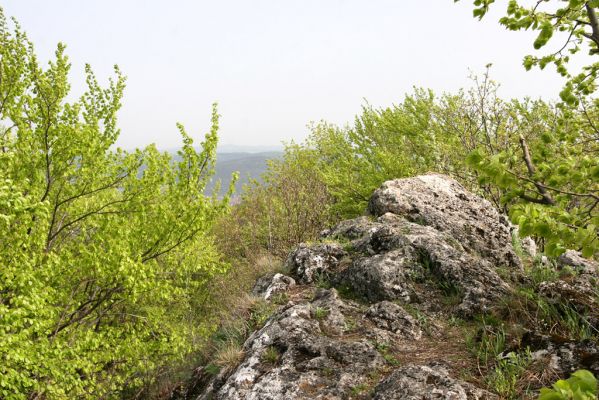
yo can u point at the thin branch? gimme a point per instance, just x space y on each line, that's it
590 195
81 217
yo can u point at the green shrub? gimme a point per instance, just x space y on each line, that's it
582 385
321 313
291 206
534 160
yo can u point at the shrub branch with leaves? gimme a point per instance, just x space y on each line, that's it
572 23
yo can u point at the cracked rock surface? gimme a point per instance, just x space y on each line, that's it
424 382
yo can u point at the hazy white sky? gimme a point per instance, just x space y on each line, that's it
274 65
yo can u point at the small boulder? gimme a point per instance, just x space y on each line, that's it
269 285
333 309
391 317
574 259
297 355
529 246
406 253
310 262
562 356
422 382
351 229
579 294
381 277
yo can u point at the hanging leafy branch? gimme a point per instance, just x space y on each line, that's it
572 24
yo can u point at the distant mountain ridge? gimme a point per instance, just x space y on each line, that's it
249 165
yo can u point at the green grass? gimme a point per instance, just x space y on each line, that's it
212 369
321 313
577 325
349 293
359 389
429 274
487 343
260 312
423 320
232 331
350 324
535 310
517 245
455 321
505 378
539 273
502 374
279 298
385 352
271 355
322 281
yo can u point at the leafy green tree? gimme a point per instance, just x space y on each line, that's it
424 133
553 172
382 144
550 176
476 119
534 160
103 252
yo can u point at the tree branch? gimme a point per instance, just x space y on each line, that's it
531 172
594 24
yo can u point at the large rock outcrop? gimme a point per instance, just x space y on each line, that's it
442 203
429 226
429 251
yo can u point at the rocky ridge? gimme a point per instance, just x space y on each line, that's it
378 308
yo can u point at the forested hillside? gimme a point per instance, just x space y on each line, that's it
125 275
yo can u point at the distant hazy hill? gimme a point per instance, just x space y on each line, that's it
249 165
249 161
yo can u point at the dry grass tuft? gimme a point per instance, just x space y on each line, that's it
229 355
